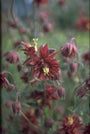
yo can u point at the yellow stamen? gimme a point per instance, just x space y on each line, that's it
46 71
35 43
70 120
88 26
39 101
32 111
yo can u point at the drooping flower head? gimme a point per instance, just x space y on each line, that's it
46 66
70 125
69 50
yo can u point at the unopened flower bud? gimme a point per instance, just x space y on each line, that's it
81 91
16 107
61 92
38 112
49 123
70 74
73 67
47 27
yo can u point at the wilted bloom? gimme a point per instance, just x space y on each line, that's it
69 50
16 107
73 67
70 125
46 65
87 129
26 127
47 27
61 2
49 123
61 92
86 57
88 82
40 2
8 103
83 23
81 91
12 56
3 80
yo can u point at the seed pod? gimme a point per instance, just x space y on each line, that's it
49 123
16 107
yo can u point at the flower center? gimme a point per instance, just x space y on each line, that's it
70 120
32 111
39 101
46 70
88 26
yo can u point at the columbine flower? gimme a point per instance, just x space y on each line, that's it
69 50
3 80
70 125
38 96
40 2
26 127
86 57
12 56
46 66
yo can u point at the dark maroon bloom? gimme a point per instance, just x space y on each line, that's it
41 2
87 129
70 125
3 80
83 23
39 97
86 57
69 50
16 107
26 127
81 91
47 27
38 112
88 82
12 56
46 65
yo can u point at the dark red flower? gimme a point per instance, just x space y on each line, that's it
46 65
87 129
81 91
42 97
86 57
69 50
40 2
83 23
70 125
26 127
12 56
3 80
